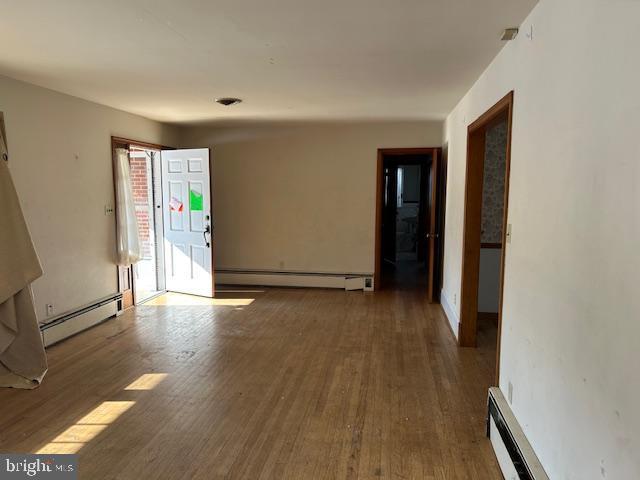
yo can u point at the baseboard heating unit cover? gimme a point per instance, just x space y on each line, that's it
75 321
515 455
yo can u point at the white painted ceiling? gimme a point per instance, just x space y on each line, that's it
288 59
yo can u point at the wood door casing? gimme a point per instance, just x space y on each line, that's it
476 140
125 286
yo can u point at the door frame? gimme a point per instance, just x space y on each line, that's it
397 152
127 287
476 132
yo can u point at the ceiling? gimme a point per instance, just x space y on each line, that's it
288 59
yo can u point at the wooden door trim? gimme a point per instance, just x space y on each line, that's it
118 141
467 330
382 152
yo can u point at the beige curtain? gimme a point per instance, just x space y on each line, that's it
128 242
23 362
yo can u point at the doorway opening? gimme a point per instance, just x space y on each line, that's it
148 273
486 232
170 191
407 223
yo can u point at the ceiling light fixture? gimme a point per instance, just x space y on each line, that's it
509 34
228 101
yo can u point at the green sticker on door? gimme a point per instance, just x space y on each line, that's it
195 201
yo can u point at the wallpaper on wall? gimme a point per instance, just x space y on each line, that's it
493 183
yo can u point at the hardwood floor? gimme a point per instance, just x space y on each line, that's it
264 384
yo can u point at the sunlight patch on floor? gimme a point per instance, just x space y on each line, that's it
148 381
87 428
179 299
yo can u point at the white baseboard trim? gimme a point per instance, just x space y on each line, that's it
292 279
452 316
77 324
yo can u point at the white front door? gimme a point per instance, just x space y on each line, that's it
186 208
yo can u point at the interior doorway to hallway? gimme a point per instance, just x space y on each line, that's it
486 231
408 222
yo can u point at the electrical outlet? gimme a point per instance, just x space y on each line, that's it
510 393
108 209
455 299
50 309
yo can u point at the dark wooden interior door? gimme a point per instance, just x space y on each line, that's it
442 203
432 226
389 213
423 212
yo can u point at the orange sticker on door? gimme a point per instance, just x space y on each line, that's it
175 205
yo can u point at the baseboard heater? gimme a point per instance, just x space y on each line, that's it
75 321
292 278
515 455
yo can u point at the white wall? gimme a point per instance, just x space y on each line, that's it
571 303
60 160
300 198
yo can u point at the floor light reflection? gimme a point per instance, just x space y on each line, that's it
87 428
179 299
148 381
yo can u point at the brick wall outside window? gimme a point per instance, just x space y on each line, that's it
142 194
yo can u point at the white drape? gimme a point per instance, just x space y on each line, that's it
128 241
